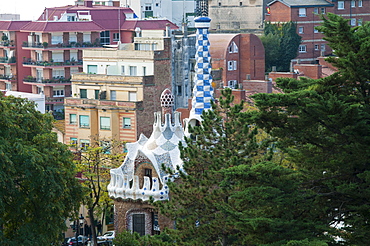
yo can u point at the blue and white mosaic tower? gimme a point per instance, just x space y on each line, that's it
202 90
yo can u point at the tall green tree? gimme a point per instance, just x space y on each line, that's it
230 193
281 43
95 162
38 189
324 127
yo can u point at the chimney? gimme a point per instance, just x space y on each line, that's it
88 3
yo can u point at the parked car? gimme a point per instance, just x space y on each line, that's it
109 235
82 240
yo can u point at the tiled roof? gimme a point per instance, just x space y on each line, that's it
12 25
106 16
303 3
219 42
147 25
56 26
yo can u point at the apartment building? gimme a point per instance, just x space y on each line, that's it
237 15
48 51
306 14
118 92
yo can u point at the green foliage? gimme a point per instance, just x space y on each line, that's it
324 127
95 162
38 188
126 238
281 43
230 193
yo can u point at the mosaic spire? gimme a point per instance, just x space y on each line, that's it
202 91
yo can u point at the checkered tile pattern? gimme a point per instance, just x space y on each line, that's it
202 91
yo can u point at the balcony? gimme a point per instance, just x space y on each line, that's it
50 82
52 63
7 77
7 60
7 44
66 46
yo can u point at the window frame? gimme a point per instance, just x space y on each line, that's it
116 36
71 122
341 5
359 4
113 95
353 4
104 126
138 223
124 121
83 93
301 50
73 141
300 12
82 119
300 30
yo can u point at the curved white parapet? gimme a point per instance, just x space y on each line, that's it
120 188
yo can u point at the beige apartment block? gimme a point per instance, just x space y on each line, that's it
237 15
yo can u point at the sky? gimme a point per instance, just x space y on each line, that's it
30 9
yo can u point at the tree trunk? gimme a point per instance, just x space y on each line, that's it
93 230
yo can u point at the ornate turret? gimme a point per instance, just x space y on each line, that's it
202 90
141 175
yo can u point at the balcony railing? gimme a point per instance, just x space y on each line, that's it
50 63
46 45
7 77
7 44
54 80
7 59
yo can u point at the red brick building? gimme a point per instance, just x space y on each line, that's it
306 14
240 56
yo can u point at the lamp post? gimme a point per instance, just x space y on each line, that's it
81 224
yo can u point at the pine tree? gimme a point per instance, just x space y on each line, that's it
324 127
230 193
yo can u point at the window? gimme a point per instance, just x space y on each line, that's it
353 4
113 95
231 65
353 22
300 29
83 93
8 86
315 30
360 3
105 123
116 36
105 37
132 96
126 123
322 10
233 48
148 172
144 71
122 70
316 10
359 22
138 223
84 121
84 143
302 12
232 84
316 47
323 47
58 93
148 7
73 141
97 94
240 3
179 90
340 4
133 70
219 4
92 69
72 119
302 49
